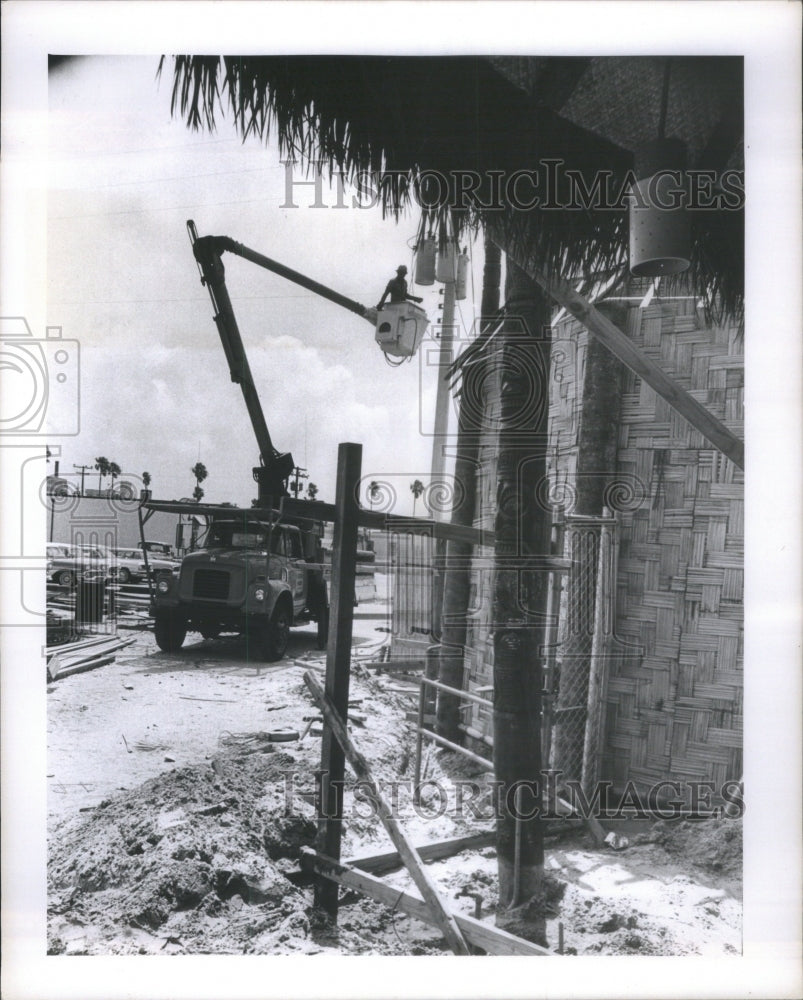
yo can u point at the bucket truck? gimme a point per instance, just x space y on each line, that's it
258 573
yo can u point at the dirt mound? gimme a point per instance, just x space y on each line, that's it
193 846
203 858
713 845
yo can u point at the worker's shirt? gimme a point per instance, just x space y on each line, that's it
397 290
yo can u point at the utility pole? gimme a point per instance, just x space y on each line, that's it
442 399
298 474
53 503
83 469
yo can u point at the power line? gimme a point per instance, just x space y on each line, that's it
183 177
193 207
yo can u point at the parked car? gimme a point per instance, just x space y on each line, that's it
161 550
129 565
69 564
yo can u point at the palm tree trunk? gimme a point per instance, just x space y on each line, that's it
522 528
457 571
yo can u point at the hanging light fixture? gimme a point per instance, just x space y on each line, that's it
660 229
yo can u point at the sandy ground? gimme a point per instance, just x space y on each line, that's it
173 825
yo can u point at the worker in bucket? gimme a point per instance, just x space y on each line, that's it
397 290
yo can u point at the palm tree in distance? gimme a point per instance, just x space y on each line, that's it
199 471
102 464
312 491
373 490
114 472
416 488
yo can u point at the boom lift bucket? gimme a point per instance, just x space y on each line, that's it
400 328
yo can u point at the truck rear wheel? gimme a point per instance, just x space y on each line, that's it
276 633
319 606
170 632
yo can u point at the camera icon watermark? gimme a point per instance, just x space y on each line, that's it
41 382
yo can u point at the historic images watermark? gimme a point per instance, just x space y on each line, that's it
39 404
548 186
41 386
546 797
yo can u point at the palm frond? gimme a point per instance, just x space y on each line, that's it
406 120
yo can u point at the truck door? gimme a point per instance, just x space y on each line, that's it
297 568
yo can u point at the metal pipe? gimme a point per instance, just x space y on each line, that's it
222 243
419 743
487 765
451 690
145 553
516 850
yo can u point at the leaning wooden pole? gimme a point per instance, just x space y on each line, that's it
630 354
338 663
441 915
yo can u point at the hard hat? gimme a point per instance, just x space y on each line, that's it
401 270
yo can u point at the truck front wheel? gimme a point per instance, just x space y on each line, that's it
276 634
170 632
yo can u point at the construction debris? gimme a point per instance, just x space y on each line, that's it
207 855
85 654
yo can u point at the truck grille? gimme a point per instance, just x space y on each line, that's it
211 584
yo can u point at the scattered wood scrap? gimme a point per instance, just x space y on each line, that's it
382 864
86 654
435 905
492 940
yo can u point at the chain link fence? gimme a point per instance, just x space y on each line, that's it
576 673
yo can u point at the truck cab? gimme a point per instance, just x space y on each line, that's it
248 577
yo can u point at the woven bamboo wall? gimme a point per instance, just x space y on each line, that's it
674 701
673 707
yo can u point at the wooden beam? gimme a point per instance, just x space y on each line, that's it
318 510
394 666
620 345
381 864
491 939
435 905
321 511
338 661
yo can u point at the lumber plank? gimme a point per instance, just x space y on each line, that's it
380 864
440 914
319 510
491 939
394 666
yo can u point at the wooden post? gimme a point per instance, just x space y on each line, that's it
522 528
338 662
440 914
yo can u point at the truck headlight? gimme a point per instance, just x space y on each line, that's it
163 586
259 594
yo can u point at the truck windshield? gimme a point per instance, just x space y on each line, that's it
230 535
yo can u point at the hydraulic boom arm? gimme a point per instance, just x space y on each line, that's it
276 467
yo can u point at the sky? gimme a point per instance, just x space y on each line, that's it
123 178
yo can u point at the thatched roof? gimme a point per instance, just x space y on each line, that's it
397 117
